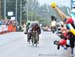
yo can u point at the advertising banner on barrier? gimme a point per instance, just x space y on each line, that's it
7 26
0 28
3 28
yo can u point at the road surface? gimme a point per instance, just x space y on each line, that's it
15 45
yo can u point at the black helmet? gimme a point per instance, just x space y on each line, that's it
53 18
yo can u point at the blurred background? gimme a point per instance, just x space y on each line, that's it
23 10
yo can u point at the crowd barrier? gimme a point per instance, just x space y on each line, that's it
7 26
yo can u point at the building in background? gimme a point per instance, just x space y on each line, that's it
12 8
72 4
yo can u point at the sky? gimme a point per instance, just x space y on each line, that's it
59 2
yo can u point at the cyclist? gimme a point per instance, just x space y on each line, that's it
34 26
27 26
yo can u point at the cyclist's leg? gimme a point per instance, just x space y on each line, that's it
38 38
29 36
